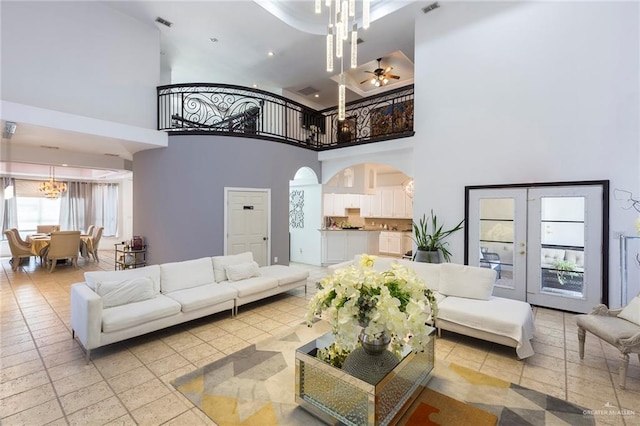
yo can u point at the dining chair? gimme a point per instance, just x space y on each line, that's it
18 250
90 230
64 245
47 229
95 240
19 238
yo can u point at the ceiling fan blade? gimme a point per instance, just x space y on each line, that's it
392 76
370 72
364 81
388 69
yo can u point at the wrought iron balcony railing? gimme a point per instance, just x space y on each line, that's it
223 109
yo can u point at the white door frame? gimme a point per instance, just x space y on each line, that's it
604 260
226 215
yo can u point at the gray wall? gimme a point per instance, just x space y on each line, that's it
179 192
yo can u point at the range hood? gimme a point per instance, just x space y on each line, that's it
359 179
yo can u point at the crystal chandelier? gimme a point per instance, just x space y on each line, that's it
52 188
342 29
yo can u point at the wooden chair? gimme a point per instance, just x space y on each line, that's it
64 245
606 325
18 250
95 240
47 229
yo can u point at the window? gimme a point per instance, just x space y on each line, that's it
34 211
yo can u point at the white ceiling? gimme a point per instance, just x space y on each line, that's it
245 31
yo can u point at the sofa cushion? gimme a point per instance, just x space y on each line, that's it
176 276
548 256
429 272
575 257
466 281
284 274
151 271
242 271
116 293
631 312
202 296
219 262
126 316
251 285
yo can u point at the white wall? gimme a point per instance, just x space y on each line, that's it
81 58
305 243
534 92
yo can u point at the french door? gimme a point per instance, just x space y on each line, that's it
545 242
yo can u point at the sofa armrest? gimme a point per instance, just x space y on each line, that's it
604 311
86 315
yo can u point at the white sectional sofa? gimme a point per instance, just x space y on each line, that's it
111 306
466 304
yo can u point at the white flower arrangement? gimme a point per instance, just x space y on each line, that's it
396 301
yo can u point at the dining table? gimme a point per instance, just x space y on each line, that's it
40 242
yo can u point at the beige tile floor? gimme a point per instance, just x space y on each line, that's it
44 379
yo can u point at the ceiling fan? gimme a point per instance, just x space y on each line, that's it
381 75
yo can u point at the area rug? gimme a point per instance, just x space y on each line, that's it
255 386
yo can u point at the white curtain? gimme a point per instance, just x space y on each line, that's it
87 204
8 208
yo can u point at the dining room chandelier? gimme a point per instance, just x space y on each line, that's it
343 29
52 188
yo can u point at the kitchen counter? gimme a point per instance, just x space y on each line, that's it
340 245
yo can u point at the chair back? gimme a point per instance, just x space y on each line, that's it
64 245
47 229
16 248
97 234
90 230
19 238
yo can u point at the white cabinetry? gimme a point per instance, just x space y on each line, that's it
334 205
351 201
390 243
390 202
340 246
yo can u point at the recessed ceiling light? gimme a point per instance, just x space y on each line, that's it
64 165
271 53
316 95
255 86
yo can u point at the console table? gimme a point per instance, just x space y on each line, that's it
334 395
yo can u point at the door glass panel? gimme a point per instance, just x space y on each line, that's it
497 238
562 242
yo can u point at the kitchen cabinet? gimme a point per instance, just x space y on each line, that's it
342 245
351 201
334 205
389 202
391 243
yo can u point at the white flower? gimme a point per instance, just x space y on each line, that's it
396 301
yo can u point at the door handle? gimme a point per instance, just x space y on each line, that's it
264 238
522 252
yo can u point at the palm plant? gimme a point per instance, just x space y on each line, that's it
431 238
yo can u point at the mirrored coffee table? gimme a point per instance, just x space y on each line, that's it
337 397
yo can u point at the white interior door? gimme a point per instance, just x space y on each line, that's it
565 247
497 237
247 223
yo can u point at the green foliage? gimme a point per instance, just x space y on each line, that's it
431 238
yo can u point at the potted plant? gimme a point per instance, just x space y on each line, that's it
431 247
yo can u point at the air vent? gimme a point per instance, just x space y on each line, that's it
49 147
308 91
164 22
111 155
429 8
359 40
